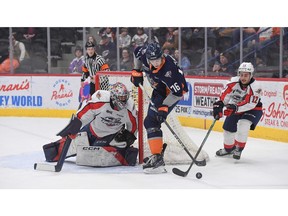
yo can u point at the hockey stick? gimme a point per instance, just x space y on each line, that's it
198 163
60 162
178 172
72 128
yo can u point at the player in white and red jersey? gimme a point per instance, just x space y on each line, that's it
109 124
241 97
107 112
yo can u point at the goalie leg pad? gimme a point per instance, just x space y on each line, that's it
105 156
97 156
81 139
53 150
131 156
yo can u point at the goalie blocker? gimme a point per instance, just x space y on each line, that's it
112 150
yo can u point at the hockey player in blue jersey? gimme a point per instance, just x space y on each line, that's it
242 99
169 85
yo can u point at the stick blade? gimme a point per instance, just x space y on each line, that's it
45 167
178 172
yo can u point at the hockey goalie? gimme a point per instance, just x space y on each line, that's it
102 131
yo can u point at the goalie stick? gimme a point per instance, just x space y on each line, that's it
179 172
198 163
72 128
60 162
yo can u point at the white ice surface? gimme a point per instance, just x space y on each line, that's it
263 165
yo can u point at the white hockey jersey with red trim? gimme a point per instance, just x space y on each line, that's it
246 98
103 119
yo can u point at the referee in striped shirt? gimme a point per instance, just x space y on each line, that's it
92 63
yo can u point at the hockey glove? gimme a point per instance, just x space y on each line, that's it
218 110
230 109
125 136
162 113
137 77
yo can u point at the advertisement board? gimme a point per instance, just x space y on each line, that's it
58 96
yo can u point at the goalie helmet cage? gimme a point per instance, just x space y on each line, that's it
174 153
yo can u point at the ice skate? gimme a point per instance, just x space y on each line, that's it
237 154
154 164
223 152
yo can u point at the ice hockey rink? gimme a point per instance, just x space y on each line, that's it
264 163
263 168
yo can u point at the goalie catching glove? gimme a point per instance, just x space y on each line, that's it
125 136
137 77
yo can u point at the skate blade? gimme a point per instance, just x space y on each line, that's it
224 156
153 170
236 157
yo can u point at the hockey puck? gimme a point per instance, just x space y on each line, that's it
198 175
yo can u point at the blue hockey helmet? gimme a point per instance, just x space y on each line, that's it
153 51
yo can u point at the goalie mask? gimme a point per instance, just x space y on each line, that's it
119 95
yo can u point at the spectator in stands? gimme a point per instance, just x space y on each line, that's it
224 37
19 54
107 50
126 63
29 36
124 39
171 37
166 51
110 32
19 50
92 39
249 36
223 66
140 38
185 62
5 66
277 75
268 46
77 63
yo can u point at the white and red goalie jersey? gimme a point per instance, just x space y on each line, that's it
103 119
245 97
